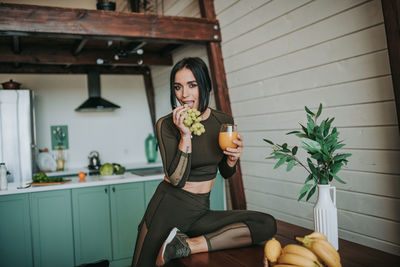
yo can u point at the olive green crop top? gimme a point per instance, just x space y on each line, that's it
206 157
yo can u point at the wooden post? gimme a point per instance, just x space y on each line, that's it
148 84
391 16
221 93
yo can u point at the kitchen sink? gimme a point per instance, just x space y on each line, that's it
148 172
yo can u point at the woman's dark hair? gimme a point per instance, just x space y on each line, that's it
200 72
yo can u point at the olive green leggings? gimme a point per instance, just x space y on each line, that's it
174 207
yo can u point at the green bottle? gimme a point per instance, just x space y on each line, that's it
151 148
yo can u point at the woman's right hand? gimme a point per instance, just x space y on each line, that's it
178 115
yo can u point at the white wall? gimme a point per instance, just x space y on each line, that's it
118 136
283 55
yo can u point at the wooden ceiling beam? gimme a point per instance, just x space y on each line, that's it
16 45
57 69
30 20
79 45
63 56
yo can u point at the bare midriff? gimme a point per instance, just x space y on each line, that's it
197 187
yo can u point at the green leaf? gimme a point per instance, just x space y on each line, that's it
312 191
310 125
303 191
312 167
293 132
285 150
335 167
339 146
309 111
290 165
304 128
341 156
309 178
319 111
302 135
317 156
337 178
280 162
268 141
284 145
310 145
294 150
279 155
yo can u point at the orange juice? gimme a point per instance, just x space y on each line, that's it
225 139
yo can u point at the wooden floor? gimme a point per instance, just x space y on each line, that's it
352 254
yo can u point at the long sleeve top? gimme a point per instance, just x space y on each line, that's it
206 157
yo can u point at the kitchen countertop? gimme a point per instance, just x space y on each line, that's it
130 166
92 180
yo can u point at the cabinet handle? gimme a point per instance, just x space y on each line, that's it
113 188
105 189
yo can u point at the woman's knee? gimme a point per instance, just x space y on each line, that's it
263 227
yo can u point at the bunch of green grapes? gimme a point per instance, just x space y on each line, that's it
192 121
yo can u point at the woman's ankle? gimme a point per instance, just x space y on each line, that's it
197 244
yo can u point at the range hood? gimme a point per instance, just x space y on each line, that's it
95 102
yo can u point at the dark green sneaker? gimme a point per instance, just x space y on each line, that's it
174 247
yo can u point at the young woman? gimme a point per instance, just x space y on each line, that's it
178 221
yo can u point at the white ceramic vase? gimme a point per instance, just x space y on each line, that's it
325 214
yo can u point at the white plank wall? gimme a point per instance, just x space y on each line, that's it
281 55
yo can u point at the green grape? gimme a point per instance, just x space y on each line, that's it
192 120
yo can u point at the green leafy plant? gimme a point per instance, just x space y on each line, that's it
320 142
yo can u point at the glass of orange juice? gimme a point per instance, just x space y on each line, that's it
227 134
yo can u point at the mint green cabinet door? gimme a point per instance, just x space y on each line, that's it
149 189
127 209
52 228
91 221
15 231
217 196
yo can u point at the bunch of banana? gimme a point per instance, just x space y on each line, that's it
320 246
298 256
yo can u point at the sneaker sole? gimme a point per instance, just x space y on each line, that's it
160 258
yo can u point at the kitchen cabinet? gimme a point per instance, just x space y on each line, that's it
127 209
91 221
105 222
71 227
52 233
15 231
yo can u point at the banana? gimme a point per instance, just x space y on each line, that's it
272 250
318 235
300 250
286 265
323 249
326 252
295 259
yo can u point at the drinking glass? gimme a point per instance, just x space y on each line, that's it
227 133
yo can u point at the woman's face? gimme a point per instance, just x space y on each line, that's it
186 88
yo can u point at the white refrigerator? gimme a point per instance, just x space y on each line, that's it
18 135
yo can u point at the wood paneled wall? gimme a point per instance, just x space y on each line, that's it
282 55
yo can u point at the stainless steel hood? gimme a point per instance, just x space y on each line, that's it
95 101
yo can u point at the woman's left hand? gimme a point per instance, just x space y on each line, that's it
234 153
